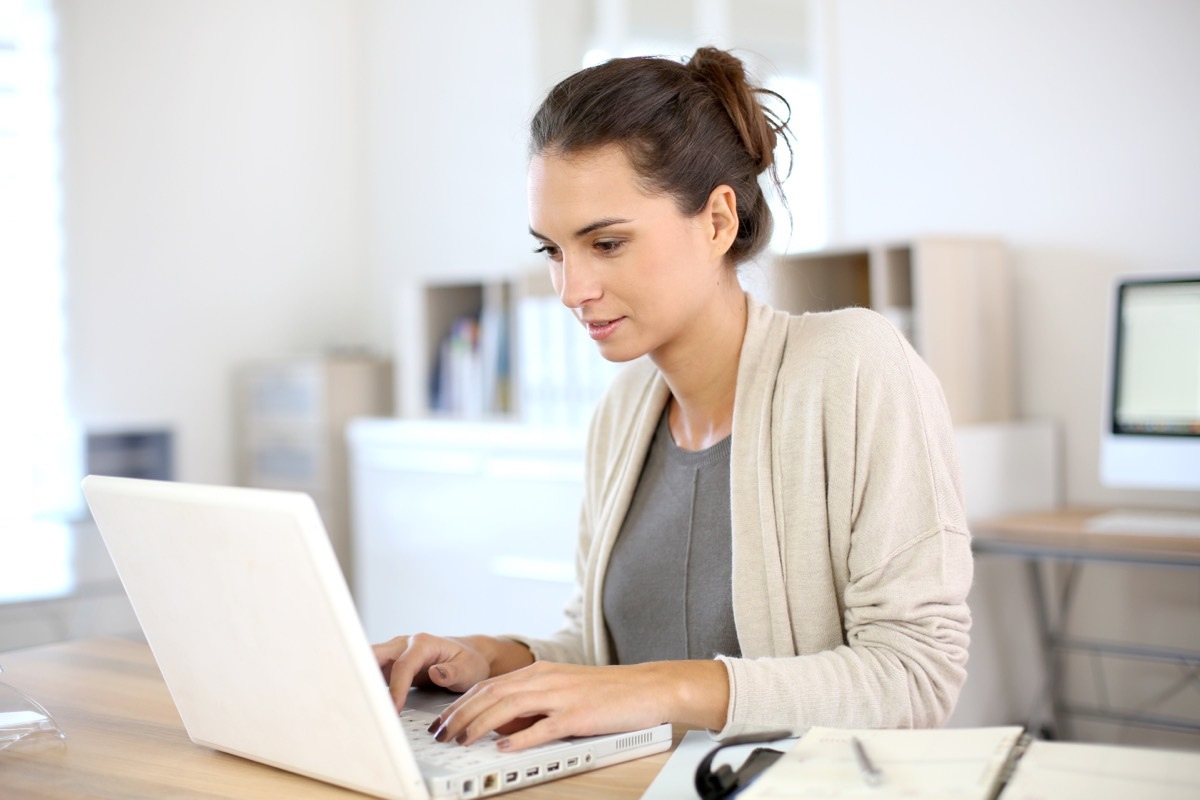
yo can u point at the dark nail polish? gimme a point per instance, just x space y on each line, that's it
462 738
442 734
437 723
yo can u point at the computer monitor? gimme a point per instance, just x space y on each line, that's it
1151 437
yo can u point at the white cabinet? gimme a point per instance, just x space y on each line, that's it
292 415
464 527
950 296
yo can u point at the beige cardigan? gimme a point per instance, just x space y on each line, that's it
851 555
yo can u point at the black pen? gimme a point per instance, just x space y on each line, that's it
871 774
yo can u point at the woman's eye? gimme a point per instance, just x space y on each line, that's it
609 247
549 251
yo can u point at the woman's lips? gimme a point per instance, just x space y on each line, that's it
602 330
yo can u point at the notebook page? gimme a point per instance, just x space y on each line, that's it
959 763
1104 772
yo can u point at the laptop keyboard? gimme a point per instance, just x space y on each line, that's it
452 755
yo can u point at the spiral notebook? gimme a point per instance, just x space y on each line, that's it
972 764
962 763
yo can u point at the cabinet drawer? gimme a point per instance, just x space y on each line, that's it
283 391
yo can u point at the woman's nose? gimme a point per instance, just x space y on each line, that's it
578 284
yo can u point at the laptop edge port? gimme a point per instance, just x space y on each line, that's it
491 782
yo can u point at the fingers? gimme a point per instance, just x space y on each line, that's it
458 673
528 707
399 671
422 659
506 707
408 661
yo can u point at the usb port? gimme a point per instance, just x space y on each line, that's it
511 777
553 766
533 772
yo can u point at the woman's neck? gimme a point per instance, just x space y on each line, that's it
702 375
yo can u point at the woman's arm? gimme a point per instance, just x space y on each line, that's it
902 660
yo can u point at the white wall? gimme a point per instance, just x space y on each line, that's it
450 89
1068 128
214 203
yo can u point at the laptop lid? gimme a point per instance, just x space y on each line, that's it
241 601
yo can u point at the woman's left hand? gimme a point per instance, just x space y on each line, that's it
546 701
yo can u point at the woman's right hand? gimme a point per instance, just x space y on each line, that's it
454 663
422 659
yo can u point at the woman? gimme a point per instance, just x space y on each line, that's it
772 533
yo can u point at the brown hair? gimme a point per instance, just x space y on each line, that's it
687 129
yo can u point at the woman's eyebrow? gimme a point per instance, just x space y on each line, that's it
586 229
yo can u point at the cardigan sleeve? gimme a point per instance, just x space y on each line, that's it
903 664
873 544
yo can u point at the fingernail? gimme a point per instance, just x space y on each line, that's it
462 738
441 672
442 734
437 723
503 744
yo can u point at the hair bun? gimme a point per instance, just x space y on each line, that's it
756 125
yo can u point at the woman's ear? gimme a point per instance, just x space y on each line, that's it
721 214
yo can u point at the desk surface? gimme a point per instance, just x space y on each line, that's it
1061 533
126 740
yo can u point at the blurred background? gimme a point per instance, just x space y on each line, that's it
195 186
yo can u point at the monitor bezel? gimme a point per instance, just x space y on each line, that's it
1116 359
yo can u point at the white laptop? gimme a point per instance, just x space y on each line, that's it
241 599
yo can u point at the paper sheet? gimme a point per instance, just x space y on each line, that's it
1104 772
958 763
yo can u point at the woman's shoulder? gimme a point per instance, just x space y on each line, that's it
852 336
845 326
857 322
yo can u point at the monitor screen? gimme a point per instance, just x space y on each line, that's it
1152 436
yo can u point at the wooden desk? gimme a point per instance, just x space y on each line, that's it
1062 536
126 740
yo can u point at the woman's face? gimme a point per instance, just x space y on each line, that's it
638 274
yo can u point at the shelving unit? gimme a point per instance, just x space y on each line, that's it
949 296
532 362
486 384
291 422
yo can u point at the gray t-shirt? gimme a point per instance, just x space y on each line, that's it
668 592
